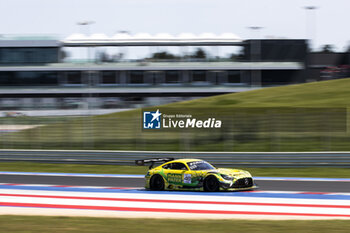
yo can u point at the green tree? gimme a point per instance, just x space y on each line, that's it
163 55
327 48
199 53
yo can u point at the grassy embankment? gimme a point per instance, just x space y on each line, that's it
81 224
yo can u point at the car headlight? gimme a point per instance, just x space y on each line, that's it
226 177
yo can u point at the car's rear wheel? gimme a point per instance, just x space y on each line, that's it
211 184
157 183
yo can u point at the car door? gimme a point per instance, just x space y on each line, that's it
178 174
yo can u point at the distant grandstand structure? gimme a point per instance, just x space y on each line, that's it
33 73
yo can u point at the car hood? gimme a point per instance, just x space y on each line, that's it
232 172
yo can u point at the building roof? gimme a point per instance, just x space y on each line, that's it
145 39
151 66
29 41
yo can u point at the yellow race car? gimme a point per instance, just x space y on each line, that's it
194 174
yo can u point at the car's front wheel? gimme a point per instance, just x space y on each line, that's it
156 183
211 184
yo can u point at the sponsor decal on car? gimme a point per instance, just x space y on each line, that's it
174 178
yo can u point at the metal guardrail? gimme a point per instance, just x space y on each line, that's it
225 159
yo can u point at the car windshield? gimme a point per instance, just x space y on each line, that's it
200 165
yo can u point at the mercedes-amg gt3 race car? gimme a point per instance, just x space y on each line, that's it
194 174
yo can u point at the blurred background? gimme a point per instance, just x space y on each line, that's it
69 71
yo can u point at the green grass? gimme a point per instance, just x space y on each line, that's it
246 128
112 169
334 93
84 224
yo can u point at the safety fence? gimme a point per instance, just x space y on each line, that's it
226 159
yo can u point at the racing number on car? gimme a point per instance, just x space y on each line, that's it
187 178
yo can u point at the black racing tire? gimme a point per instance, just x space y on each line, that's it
211 184
156 183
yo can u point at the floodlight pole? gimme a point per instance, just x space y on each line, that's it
255 47
310 25
124 49
86 23
88 143
255 55
257 29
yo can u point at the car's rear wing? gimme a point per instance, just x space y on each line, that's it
141 162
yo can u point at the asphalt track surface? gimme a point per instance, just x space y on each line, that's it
271 185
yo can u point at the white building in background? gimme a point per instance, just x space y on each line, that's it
34 75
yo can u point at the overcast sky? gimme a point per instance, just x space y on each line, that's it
286 19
